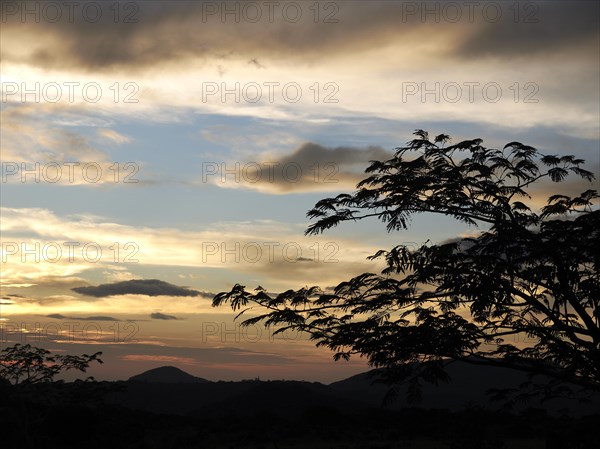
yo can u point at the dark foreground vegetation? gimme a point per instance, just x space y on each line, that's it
96 415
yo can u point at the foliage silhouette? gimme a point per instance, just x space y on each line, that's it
32 394
526 272
25 364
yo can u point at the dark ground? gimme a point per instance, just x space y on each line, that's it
263 415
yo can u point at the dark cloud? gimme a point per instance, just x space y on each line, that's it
312 152
171 31
256 63
58 316
162 316
148 287
542 27
313 167
205 294
220 355
174 30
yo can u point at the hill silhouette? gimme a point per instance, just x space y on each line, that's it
169 390
468 387
173 414
167 374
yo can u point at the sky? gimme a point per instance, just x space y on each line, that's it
156 153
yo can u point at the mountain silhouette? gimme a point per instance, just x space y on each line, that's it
469 386
172 391
167 374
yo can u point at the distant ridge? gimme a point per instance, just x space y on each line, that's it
468 387
169 390
168 375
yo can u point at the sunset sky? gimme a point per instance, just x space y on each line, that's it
187 140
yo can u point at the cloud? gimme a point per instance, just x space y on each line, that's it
30 134
159 358
59 316
114 136
162 316
209 356
148 287
542 28
41 144
205 294
255 136
117 274
311 167
264 248
168 32
172 46
256 63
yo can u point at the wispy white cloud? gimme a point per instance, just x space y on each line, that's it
114 136
39 246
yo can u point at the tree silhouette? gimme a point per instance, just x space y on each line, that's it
25 364
31 394
527 272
